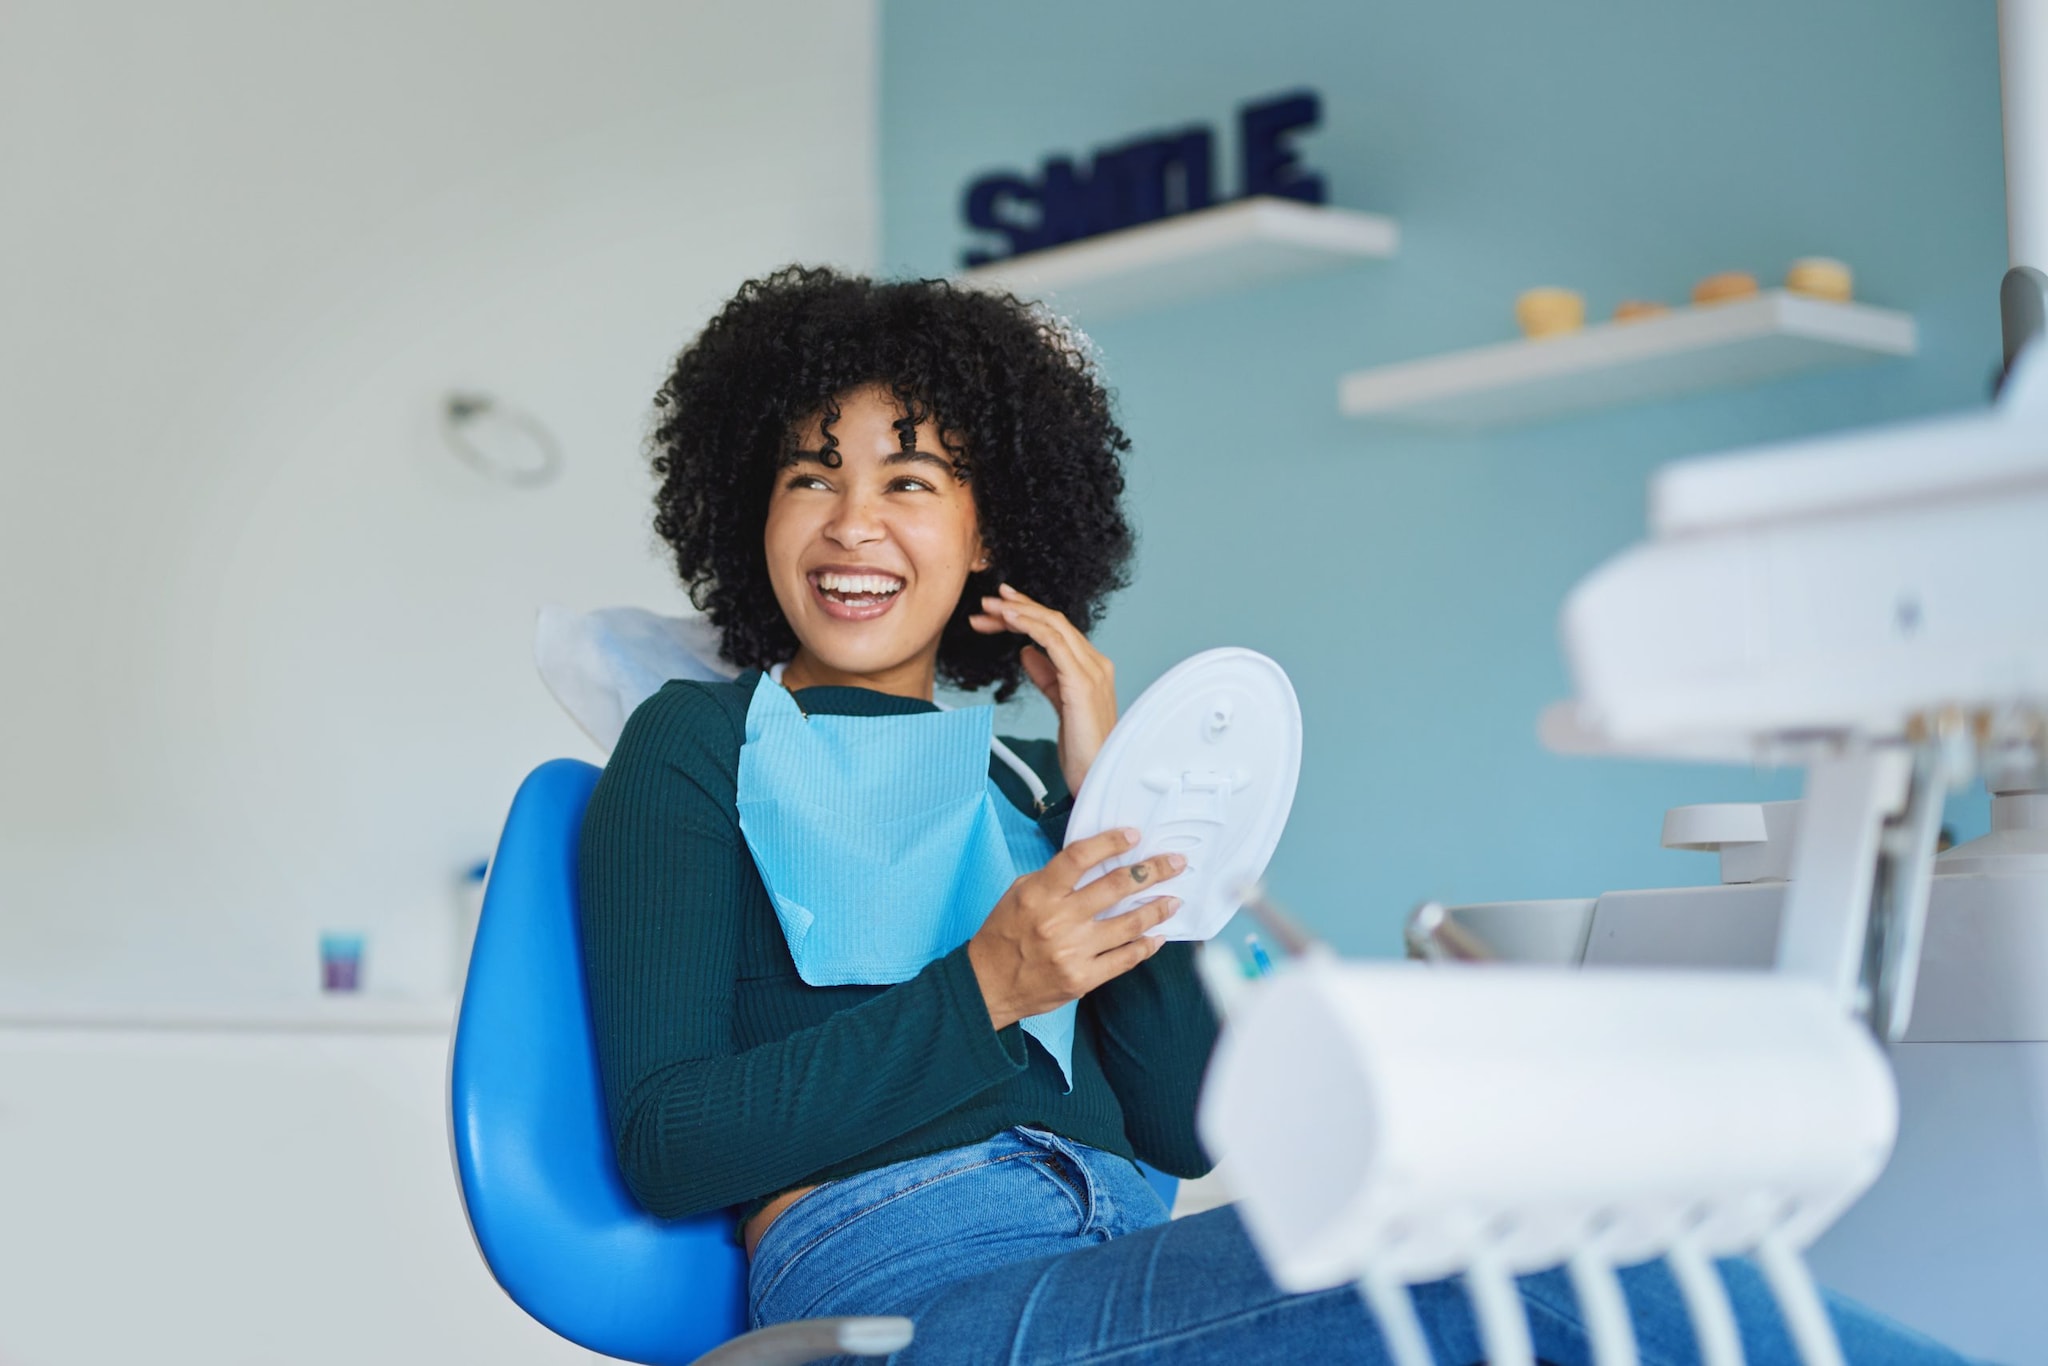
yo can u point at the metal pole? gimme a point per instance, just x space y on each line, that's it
2023 82
2023 79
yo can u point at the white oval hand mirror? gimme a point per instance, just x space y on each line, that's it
1203 765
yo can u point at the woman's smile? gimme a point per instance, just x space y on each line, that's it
852 593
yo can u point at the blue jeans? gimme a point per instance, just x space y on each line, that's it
1030 1249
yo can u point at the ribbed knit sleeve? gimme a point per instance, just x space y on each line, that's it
665 877
1156 1030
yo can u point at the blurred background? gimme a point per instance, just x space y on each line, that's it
268 640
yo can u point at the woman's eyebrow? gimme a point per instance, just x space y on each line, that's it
906 457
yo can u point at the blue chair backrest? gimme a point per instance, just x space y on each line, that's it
533 1148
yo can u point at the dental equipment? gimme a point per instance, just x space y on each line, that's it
1392 1123
1866 606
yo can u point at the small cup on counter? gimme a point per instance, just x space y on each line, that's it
341 962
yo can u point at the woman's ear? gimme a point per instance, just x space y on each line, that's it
980 563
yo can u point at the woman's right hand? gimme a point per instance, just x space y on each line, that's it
1042 946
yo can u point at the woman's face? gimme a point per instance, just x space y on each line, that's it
869 557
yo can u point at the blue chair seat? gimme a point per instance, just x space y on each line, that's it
531 1140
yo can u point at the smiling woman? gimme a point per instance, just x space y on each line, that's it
856 478
989 404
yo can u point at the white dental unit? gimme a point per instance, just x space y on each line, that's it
1872 608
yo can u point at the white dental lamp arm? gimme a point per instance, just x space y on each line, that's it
1865 605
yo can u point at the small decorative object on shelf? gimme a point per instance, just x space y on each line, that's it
1548 311
1821 277
1726 287
1635 310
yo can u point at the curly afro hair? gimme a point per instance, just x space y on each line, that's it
1015 398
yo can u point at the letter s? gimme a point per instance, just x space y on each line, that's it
985 208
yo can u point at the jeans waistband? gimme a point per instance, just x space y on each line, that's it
1024 1186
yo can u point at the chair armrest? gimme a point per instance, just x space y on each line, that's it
806 1340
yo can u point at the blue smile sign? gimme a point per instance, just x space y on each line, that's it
1140 180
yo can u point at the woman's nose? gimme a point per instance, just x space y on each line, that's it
855 522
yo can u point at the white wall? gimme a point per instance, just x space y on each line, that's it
266 642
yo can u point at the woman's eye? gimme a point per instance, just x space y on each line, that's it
804 481
910 485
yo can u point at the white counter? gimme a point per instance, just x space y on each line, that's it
240 1187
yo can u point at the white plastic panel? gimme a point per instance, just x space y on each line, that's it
1656 1106
1850 622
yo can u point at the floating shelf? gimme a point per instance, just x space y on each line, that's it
1722 346
1232 246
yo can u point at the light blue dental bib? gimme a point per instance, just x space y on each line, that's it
883 842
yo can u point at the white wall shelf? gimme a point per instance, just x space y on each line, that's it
1232 246
1723 346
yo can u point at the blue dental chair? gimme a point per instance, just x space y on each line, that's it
533 1150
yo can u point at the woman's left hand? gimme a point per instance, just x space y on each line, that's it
1075 677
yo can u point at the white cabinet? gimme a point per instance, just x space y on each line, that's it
239 1197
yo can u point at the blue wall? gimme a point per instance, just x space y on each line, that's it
1410 583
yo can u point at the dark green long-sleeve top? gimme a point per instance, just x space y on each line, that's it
729 1079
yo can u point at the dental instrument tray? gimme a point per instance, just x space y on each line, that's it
1202 765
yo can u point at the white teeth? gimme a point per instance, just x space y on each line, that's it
876 584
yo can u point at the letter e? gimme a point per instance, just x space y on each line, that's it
1269 162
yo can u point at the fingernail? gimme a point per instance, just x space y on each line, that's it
1176 861
1005 588
1172 904
1130 835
